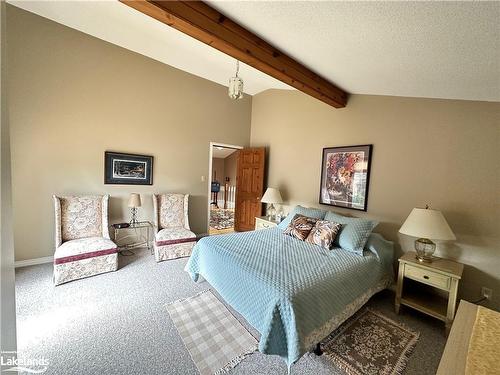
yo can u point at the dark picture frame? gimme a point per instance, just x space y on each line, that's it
345 176
127 169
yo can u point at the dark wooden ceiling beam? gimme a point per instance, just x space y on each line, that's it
204 23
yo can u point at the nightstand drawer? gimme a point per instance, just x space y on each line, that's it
263 224
428 277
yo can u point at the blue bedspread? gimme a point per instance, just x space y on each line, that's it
289 290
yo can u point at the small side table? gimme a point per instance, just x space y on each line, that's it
441 274
263 222
134 236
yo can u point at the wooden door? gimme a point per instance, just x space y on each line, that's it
249 186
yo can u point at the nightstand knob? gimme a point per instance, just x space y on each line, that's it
426 277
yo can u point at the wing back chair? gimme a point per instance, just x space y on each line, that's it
173 237
83 246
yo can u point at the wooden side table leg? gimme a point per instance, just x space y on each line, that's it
399 288
452 302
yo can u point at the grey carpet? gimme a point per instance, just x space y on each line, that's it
117 323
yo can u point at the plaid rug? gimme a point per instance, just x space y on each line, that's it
214 338
369 343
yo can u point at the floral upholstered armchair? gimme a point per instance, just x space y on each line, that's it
83 246
173 238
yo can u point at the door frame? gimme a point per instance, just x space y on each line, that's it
209 179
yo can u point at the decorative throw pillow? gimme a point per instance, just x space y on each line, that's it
323 233
300 226
309 212
354 233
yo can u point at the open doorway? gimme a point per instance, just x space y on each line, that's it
222 187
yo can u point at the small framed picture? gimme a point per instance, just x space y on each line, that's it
128 169
345 175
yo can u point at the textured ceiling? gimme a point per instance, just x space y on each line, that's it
418 49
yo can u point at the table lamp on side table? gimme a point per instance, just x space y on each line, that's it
427 225
271 196
134 202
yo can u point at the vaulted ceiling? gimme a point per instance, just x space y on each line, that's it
428 49
445 49
119 24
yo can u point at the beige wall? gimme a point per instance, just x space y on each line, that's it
230 163
73 96
441 152
218 170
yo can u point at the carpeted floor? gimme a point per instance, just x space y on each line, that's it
117 323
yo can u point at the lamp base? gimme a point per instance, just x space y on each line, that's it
424 248
271 212
134 220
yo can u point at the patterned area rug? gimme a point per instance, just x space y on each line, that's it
221 218
370 344
214 338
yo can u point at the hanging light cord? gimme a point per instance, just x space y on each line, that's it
237 67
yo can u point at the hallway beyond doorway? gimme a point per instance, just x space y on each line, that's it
222 198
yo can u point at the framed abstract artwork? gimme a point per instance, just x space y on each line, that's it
345 175
128 169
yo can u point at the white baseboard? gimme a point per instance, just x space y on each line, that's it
32 262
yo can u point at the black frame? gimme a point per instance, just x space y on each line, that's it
108 168
369 149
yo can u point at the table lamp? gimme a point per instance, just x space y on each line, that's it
271 196
427 225
134 202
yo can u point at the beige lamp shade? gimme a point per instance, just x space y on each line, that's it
134 200
427 223
272 195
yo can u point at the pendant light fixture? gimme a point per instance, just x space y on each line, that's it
235 89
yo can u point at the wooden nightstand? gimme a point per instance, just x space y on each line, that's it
441 274
262 222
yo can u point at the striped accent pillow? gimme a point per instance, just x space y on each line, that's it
323 233
300 227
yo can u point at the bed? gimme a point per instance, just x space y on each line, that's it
292 292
